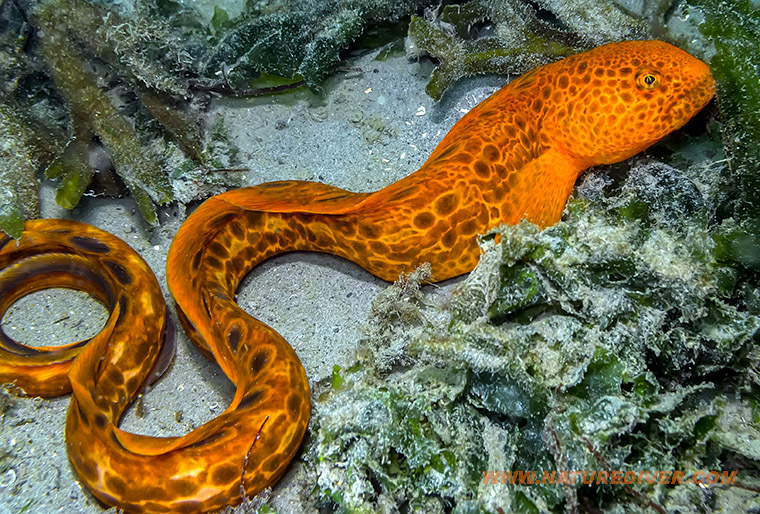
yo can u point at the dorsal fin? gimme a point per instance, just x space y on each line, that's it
294 196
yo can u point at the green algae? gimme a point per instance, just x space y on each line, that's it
734 29
184 130
25 144
75 174
163 65
267 40
522 294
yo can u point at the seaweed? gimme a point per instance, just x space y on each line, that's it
125 87
301 38
614 340
512 37
18 182
93 114
24 144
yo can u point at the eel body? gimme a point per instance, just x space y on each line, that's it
514 156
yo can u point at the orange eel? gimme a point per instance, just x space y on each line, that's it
514 157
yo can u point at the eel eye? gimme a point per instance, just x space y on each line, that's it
647 80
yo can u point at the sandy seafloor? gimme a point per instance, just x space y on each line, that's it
319 303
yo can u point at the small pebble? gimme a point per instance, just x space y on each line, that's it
318 113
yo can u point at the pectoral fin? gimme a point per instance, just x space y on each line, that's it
539 190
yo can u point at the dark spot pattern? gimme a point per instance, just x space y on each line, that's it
233 338
196 262
424 220
224 474
209 439
259 360
120 272
89 244
101 421
250 399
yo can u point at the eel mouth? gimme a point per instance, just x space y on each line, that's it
685 106
707 86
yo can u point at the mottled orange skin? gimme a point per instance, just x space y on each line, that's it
515 156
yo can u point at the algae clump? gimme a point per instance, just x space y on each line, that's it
612 341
